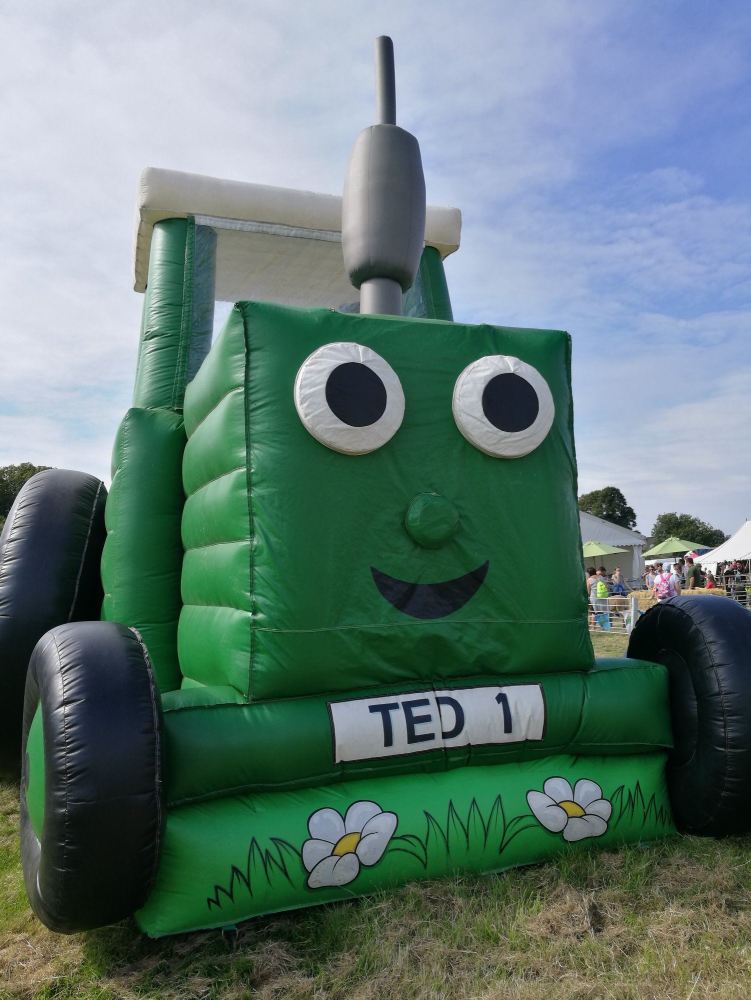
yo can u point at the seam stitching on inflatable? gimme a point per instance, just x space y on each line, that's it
251 525
203 486
420 624
84 550
185 312
157 757
66 838
15 510
582 700
211 545
214 604
214 408
723 789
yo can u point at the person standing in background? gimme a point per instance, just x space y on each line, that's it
692 574
590 584
666 585
618 584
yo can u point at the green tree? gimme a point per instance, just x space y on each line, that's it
687 527
12 478
610 504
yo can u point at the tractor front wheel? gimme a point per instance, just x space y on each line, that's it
705 643
92 814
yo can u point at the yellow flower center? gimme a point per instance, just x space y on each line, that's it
348 843
570 808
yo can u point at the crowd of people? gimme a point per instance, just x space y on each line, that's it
686 574
662 581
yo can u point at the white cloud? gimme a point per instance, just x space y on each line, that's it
561 130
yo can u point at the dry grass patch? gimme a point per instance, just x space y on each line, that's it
670 920
609 644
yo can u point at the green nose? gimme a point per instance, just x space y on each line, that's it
431 520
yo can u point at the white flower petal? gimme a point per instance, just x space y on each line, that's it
586 791
375 837
601 808
358 815
581 827
546 811
334 871
384 823
314 851
326 824
558 789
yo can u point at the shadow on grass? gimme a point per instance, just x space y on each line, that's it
454 937
339 947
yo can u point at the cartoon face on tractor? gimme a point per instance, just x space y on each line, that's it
336 637
400 489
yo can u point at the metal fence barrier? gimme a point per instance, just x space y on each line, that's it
618 615
737 586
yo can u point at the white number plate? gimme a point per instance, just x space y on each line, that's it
400 724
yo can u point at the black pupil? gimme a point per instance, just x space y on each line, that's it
510 403
356 394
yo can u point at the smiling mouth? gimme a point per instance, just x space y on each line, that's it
430 600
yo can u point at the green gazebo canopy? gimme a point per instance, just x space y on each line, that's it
593 549
673 547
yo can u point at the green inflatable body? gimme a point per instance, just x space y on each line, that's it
344 636
331 734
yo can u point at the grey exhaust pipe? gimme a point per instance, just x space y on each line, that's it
383 207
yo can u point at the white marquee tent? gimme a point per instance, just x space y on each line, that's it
738 546
631 562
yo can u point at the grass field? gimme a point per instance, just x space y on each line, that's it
671 920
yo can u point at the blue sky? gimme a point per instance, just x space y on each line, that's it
599 152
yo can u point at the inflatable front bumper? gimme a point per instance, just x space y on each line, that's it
222 810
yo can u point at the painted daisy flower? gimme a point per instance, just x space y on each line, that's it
577 814
339 846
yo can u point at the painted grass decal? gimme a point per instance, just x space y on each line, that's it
267 865
340 845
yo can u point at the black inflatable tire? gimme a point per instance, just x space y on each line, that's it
50 550
705 642
98 853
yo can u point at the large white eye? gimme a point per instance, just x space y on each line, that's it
349 398
503 406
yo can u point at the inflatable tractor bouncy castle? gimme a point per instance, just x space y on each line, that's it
287 661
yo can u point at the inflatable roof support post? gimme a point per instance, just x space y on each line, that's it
383 206
142 558
428 298
178 312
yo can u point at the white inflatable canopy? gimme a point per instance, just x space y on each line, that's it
738 546
274 244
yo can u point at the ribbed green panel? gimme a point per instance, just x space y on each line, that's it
217 447
142 557
428 298
234 858
178 312
218 574
213 745
215 625
214 645
228 494
222 371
